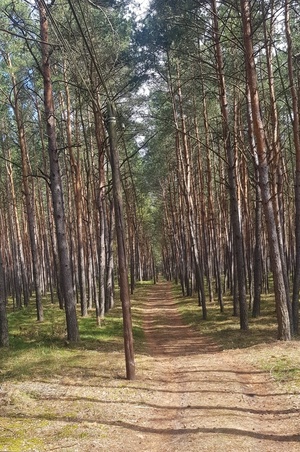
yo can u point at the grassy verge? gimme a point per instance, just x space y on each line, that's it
40 349
224 328
260 344
47 384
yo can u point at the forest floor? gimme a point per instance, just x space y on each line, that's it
188 396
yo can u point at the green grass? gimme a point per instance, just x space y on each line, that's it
284 367
262 349
39 353
16 435
223 327
40 348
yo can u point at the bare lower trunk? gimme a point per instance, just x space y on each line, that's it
4 339
120 230
257 275
102 255
296 133
109 296
281 298
56 186
77 188
29 201
238 247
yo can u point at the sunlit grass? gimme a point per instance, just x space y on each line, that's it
40 349
284 369
262 349
224 328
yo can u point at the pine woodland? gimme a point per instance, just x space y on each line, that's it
137 144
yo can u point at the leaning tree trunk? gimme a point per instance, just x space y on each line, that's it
56 184
281 300
120 231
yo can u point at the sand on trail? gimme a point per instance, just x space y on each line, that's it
206 399
189 396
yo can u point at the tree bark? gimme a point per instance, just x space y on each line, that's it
4 338
109 293
77 188
29 201
120 230
284 327
296 133
257 254
56 184
231 162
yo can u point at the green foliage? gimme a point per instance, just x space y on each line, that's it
169 25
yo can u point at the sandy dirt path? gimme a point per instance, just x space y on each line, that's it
188 397
206 399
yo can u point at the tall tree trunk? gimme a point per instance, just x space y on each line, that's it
120 230
29 201
13 230
284 327
276 157
56 184
101 203
257 255
296 133
50 223
77 188
231 162
210 209
4 339
109 295
184 176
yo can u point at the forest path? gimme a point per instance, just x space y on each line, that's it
204 399
188 396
